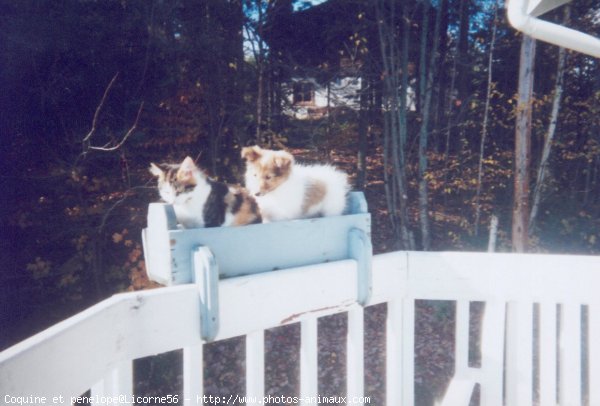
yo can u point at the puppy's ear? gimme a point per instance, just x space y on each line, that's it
252 153
156 171
283 160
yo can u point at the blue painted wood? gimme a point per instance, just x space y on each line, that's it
361 249
250 249
206 277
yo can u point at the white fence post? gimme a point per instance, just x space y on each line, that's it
309 358
394 352
570 354
408 352
594 353
519 348
547 353
355 354
193 376
117 383
255 366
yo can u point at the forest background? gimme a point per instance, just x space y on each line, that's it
93 91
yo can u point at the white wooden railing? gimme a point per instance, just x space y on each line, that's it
553 298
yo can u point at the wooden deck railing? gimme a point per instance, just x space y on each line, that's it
539 308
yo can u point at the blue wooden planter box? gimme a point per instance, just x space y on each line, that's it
253 248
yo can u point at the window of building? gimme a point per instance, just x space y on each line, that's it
304 93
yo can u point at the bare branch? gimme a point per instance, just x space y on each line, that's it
99 108
133 127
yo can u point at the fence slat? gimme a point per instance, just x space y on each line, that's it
492 353
461 349
547 356
355 353
393 344
519 354
309 358
594 353
570 354
193 376
255 366
490 373
461 386
408 352
118 382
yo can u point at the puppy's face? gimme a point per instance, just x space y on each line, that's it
266 170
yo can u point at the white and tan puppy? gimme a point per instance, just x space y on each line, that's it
286 190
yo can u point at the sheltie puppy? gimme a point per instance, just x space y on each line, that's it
286 190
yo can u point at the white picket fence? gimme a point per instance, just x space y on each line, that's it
553 298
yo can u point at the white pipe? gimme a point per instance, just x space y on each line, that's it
550 32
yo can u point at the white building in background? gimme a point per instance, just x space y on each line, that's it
306 98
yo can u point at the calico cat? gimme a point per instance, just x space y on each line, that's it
199 201
286 190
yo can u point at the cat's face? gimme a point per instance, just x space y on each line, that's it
266 170
176 182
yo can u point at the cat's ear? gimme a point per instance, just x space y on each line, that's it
188 164
156 171
283 160
251 154
186 169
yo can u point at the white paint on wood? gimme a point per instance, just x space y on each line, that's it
519 349
570 354
459 391
193 377
492 353
134 325
117 382
490 374
408 353
509 277
309 357
255 366
547 353
155 238
355 353
461 348
287 296
594 353
394 355
69 357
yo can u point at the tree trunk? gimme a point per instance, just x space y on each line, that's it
523 146
260 74
363 127
463 51
395 96
558 91
485 124
426 85
493 234
451 99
